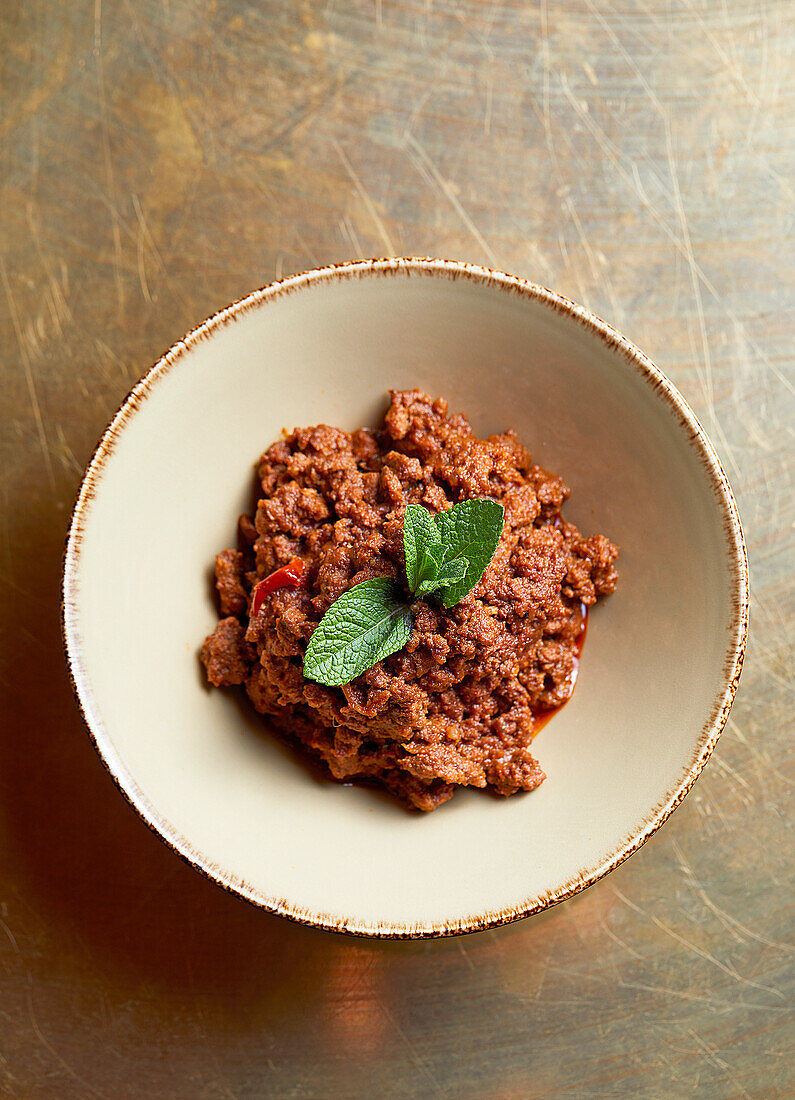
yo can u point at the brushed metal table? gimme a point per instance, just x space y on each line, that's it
162 157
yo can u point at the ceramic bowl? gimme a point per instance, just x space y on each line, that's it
162 495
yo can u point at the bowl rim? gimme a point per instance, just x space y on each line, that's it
451 269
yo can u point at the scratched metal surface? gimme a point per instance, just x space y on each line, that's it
160 158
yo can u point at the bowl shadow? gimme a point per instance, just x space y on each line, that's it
96 873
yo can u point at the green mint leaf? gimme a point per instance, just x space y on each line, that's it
452 571
470 532
448 574
419 533
366 624
431 560
445 554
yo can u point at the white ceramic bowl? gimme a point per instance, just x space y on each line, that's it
162 495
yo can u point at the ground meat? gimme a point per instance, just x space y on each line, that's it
225 654
459 705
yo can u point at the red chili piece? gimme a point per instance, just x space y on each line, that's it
291 575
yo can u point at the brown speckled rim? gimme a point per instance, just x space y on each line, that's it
696 437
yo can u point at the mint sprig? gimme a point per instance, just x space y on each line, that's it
446 555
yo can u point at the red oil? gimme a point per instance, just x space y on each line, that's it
541 717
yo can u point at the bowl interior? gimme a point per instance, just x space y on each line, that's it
164 495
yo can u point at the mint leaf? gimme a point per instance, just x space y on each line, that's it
430 562
470 532
448 574
446 554
366 624
420 533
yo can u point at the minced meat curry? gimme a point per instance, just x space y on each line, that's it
458 705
